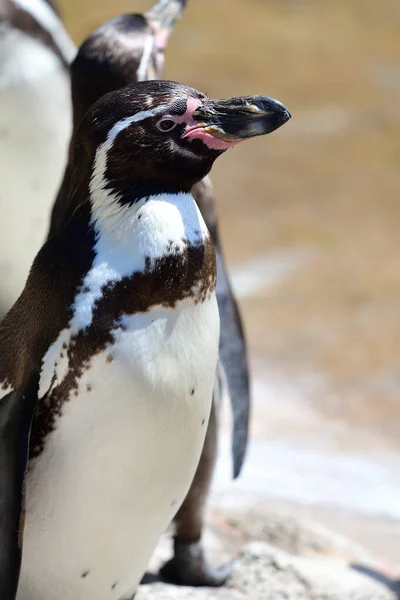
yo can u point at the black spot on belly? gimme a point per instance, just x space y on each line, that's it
114 585
192 392
89 387
203 421
85 574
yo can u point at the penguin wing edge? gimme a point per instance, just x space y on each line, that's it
16 412
233 356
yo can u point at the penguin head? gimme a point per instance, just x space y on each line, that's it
122 51
159 137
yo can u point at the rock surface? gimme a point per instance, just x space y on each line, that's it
264 572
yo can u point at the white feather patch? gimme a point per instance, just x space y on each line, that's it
5 388
141 73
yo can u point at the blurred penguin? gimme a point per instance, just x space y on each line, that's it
35 127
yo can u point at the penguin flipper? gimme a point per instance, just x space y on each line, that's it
233 357
16 411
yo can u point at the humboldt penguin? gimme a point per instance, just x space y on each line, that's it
35 128
126 49
108 357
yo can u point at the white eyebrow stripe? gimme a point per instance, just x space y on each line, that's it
47 18
141 73
100 162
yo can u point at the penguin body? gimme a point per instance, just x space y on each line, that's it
108 358
35 126
133 379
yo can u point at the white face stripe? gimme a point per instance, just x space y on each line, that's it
141 73
100 162
5 390
47 18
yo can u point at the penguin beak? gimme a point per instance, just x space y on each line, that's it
163 17
224 123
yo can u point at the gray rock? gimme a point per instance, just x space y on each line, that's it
263 572
299 536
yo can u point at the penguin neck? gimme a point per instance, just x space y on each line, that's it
133 237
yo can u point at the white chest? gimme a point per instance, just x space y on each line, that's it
35 127
121 458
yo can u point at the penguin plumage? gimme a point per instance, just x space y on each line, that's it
108 358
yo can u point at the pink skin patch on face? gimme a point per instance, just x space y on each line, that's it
187 117
196 130
214 143
162 37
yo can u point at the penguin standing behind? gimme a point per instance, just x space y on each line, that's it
126 49
35 127
108 358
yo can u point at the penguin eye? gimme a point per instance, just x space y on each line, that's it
166 124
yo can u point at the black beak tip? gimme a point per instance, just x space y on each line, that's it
281 111
279 117
282 114
285 116
276 113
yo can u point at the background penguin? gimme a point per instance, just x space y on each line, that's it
95 387
35 127
118 53
124 50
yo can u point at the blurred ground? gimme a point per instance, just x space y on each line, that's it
310 219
